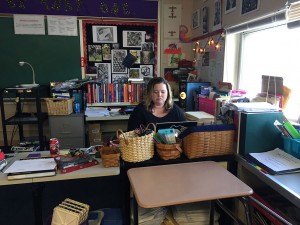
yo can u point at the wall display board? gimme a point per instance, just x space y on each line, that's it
116 51
54 58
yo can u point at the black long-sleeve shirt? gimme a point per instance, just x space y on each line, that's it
141 116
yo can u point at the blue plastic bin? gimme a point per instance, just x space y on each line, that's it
291 146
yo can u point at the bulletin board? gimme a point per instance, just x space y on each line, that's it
115 51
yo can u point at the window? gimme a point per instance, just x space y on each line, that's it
273 51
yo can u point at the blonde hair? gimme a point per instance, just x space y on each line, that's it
149 91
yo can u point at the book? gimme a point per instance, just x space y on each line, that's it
30 168
275 161
33 174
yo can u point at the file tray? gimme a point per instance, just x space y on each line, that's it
291 146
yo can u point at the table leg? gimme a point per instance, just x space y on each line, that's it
135 212
245 202
212 213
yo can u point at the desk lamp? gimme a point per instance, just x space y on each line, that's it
33 76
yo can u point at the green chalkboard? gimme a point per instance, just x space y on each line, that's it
54 58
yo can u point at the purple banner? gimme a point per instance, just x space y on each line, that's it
97 8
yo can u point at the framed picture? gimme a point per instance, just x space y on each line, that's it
230 6
248 6
217 15
137 54
134 74
196 19
147 57
119 78
133 39
205 20
103 72
117 57
105 34
95 53
147 46
146 71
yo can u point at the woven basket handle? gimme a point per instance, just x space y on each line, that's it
122 133
179 148
152 125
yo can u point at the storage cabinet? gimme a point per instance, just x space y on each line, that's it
20 118
69 129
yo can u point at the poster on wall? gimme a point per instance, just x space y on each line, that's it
117 57
95 53
205 20
133 39
105 34
217 15
103 72
29 24
248 6
146 71
230 6
196 19
62 25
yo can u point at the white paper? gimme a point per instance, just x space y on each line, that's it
277 160
62 25
29 24
31 165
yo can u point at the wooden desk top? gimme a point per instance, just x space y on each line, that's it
94 171
175 184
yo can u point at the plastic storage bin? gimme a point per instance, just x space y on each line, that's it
291 146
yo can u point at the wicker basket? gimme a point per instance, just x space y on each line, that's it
209 140
110 156
136 148
169 151
59 106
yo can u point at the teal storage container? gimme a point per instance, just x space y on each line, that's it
291 146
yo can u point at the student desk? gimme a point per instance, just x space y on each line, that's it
90 185
174 184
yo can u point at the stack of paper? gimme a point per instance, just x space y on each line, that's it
152 216
96 111
193 213
200 117
253 107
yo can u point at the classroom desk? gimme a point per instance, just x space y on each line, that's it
174 184
79 177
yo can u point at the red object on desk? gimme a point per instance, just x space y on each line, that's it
79 167
1 155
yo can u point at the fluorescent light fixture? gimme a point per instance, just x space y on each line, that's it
33 76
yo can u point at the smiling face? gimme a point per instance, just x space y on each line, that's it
160 94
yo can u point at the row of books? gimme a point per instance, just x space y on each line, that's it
115 92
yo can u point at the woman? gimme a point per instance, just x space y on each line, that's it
157 107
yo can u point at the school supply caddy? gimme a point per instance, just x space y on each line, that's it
137 145
168 146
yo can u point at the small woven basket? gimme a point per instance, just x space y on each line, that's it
209 143
59 106
110 156
135 148
169 151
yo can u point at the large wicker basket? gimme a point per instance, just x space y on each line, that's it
169 151
211 140
135 148
59 106
110 156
